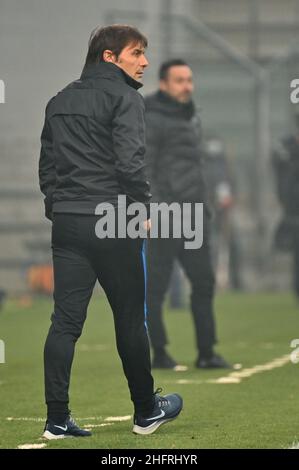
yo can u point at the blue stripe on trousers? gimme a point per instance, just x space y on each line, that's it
144 271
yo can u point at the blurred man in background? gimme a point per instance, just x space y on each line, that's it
286 166
221 198
174 160
2 298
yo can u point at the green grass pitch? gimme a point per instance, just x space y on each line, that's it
261 411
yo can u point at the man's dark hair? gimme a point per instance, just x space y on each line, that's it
165 66
115 38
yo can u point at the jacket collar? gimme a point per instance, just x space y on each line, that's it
109 70
171 105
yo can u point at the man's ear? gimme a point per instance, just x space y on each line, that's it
108 56
162 85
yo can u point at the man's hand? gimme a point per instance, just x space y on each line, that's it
147 225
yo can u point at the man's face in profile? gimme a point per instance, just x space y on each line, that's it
178 83
132 60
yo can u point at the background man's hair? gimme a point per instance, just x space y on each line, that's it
165 66
115 38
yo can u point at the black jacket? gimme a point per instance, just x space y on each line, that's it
286 166
93 143
174 156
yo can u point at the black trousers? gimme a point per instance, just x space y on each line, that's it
79 259
197 264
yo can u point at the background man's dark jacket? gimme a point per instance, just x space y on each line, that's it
93 142
173 141
286 165
285 160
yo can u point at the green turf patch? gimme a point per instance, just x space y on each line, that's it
259 412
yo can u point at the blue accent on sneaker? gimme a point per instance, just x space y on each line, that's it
67 429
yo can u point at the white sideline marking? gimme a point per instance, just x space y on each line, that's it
295 445
180 368
11 418
237 376
275 363
90 418
226 380
32 446
118 418
187 382
97 425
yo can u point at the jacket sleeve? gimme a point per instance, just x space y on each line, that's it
128 134
47 173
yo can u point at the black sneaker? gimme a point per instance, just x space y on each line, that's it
163 361
166 409
214 362
68 429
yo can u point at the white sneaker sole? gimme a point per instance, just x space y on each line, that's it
152 427
48 435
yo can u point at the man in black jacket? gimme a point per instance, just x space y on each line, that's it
93 151
286 166
175 167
